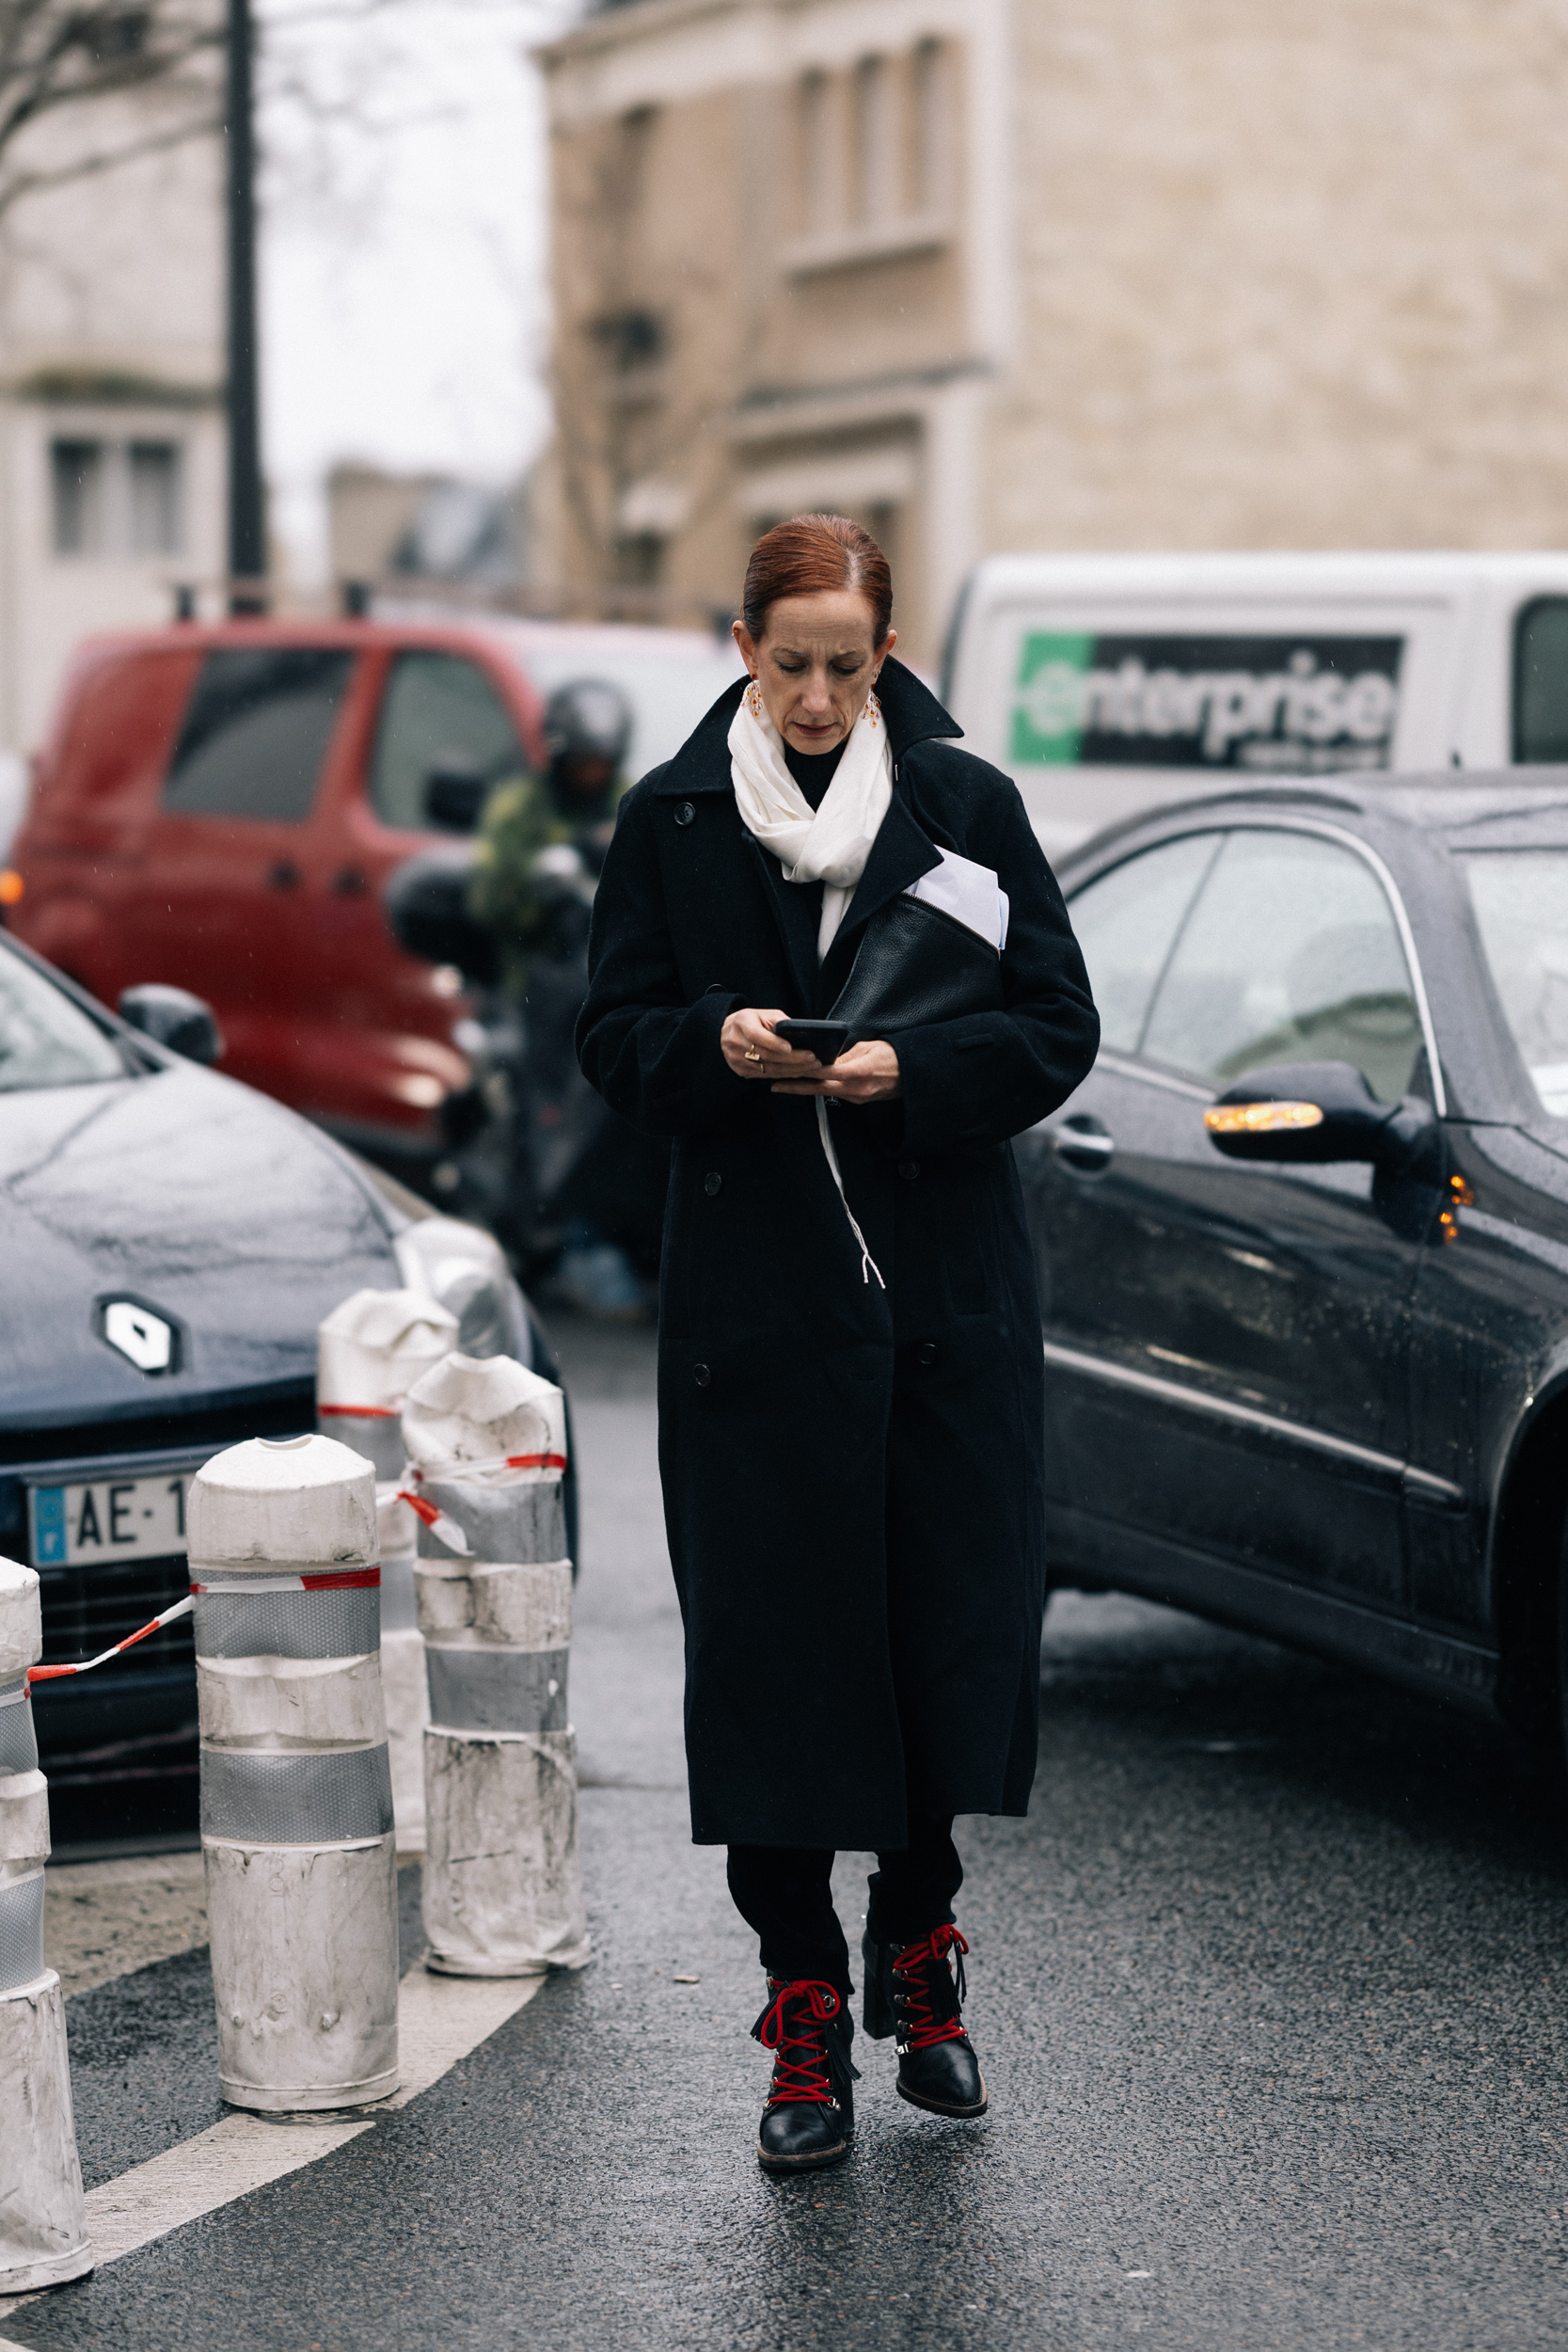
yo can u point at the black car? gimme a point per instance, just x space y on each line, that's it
1302 1232
170 1242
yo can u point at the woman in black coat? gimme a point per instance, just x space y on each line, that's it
852 1412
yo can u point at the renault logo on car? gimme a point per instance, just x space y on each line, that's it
138 1333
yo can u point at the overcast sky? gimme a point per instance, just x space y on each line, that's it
404 312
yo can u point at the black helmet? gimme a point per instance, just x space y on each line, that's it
588 719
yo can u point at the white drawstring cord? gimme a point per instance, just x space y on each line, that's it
832 1158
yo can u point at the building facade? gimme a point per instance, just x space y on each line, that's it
113 447
1054 274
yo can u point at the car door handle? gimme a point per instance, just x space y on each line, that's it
1083 1143
283 874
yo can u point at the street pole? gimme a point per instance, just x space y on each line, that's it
248 536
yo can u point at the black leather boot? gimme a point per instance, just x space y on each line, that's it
910 1993
810 2115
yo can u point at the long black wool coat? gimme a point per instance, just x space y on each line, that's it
853 1478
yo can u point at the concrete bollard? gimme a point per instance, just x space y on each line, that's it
404 1681
43 2231
368 1351
502 1884
296 1801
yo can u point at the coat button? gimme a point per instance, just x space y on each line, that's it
908 1169
702 1375
926 1352
685 814
713 1183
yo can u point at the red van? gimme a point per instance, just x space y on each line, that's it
220 807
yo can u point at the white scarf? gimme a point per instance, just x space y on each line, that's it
830 844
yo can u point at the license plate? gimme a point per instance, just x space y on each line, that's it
108 1519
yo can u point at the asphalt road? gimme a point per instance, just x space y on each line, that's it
1269 1990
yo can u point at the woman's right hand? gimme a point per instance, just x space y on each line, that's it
752 1050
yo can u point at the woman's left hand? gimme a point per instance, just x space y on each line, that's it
866 1073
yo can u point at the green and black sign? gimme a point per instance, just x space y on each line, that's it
1286 705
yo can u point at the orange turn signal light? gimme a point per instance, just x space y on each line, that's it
11 886
1260 1118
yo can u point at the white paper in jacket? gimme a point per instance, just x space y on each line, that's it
970 894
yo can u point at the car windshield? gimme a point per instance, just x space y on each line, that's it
46 1040
1521 902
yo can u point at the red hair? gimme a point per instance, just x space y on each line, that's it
810 555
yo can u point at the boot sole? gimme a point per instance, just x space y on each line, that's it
935 2106
819 2163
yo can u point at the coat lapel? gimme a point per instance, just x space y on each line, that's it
797 913
899 856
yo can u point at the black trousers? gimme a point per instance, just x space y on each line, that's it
785 1893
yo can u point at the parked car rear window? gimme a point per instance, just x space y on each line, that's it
1521 902
440 711
1291 952
46 1040
1541 680
1126 923
256 731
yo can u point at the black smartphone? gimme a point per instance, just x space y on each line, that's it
827 1039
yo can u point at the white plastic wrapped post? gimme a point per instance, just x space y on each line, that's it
486 1445
43 2234
296 1799
368 1353
404 1681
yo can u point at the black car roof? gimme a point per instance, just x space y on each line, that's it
1454 802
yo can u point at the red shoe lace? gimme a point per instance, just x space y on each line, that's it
910 1962
809 2004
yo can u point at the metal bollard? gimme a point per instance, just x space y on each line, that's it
368 1353
503 1883
43 2231
296 1799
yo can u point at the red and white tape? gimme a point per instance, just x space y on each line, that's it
328 1581
445 1529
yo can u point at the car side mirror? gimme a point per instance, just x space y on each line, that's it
173 1017
454 795
427 906
1310 1113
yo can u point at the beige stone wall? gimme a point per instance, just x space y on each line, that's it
654 315
1289 276
786 235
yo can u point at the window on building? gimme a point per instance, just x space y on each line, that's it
76 475
1541 680
929 107
153 468
440 713
639 559
819 161
115 498
256 733
876 145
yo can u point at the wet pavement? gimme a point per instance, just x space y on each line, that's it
1269 1990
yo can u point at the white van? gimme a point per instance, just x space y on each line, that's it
1102 683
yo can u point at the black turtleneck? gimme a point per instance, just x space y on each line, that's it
814 770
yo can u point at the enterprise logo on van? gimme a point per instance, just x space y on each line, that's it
1292 705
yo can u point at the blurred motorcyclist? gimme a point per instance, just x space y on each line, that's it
541 848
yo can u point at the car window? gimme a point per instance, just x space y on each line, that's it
256 732
438 710
1521 902
46 1040
1126 922
1541 680
1290 953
